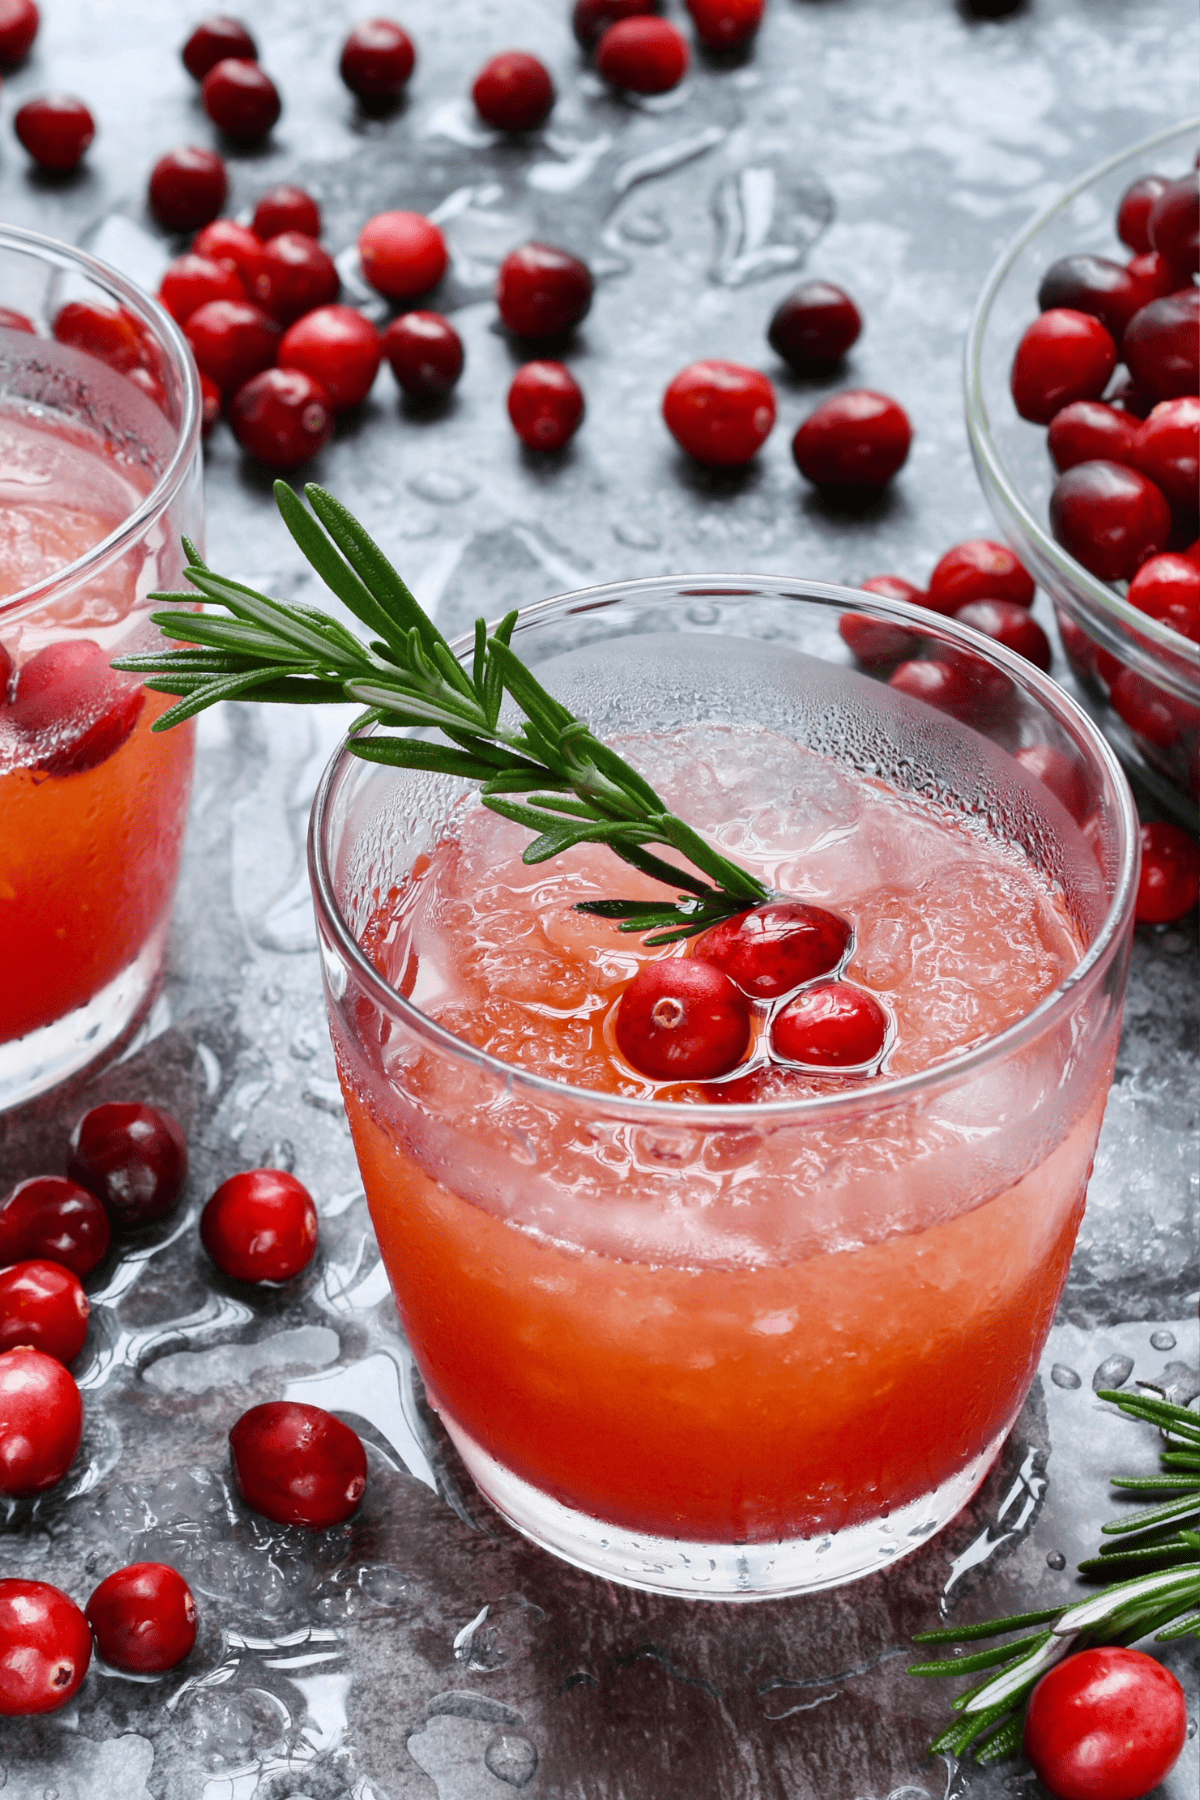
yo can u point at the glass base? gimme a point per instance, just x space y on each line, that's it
703 1571
42 1059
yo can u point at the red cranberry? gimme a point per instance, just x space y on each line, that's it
726 24
546 405
1174 224
45 1648
16 321
814 327
282 416
75 710
133 1157
513 92
682 1020
1162 343
979 569
377 59
338 348
109 333
51 1217
144 1618
260 1226
720 412
946 685
1106 290
425 353
774 948
192 281
210 404
187 188
240 99
592 18
894 587
876 643
643 55
233 245
43 1305
1088 431
213 41
294 276
1061 773
1133 213
1148 710
298 1464
854 442
403 254
1010 625
1063 356
1170 880
41 1421
231 341
285 208
1168 588
1167 449
19 22
834 1026
1154 275
543 292
1109 518
56 130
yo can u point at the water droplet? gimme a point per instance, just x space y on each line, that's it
280 1154
637 537
1063 1377
1162 1340
768 216
442 486
1113 1372
272 995
1056 1560
511 1759
644 227
704 613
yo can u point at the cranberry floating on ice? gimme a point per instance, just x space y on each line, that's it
772 949
682 1020
833 1026
74 710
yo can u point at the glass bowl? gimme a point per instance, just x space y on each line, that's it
1096 622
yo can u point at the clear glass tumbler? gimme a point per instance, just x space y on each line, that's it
100 476
740 1350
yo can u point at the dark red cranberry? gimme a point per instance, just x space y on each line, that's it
282 416
56 130
260 1226
1174 224
16 321
19 22
876 643
726 24
338 348
144 1618
285 208
643 55
1063 356
543 292
1154 275
240 99
895 587
45 1648
213 41
1106 290
41 1421
1168 588
592 18
294 276
106 332
72 708
1010 625
1111 519
1162 345
298 1464
814 327
853 443
192 281
43 1305
682 1020
1148 710
947 685
979 569
513 92
377 59
834 1026
187 188
1133 213
403 254
546 405
232 341
1170 880
210 404
51 1217
425 353
233 245
1061 773
774 948
720 412
1167 449
133 1157
1087 431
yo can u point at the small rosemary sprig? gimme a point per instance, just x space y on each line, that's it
574 789
1159 1592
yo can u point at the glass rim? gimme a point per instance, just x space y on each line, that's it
879 1094
1100 596
161 495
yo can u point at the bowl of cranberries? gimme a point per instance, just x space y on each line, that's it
1083 413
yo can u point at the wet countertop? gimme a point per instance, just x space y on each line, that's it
424 1650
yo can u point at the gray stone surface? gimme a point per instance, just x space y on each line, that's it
424 1650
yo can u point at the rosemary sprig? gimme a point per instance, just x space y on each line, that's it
1159 1592
573 788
